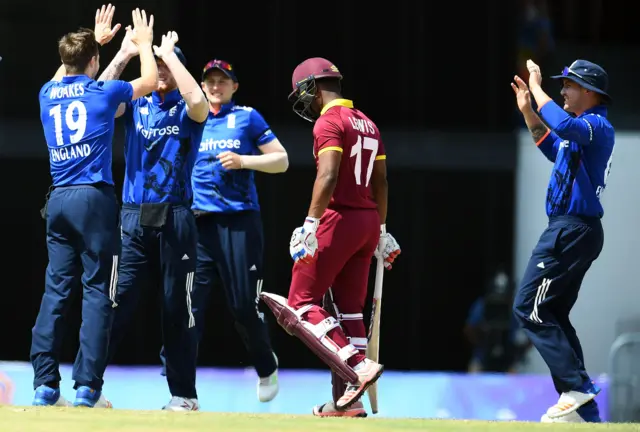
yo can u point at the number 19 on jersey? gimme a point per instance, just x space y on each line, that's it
76 125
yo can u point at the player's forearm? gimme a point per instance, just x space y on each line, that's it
148 67
271 163
380 196
539 95
189 88
535 125
322 191
115 68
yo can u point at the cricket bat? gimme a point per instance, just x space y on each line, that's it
373 345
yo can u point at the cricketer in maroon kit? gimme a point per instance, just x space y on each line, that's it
344 229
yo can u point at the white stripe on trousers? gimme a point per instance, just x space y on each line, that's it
541 294
189 288
113 283
258 291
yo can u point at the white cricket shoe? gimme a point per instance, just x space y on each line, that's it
268 387
368 372
570 401
178 403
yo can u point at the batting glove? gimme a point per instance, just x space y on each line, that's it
304 244
388 248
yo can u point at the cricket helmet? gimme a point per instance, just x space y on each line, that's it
303 82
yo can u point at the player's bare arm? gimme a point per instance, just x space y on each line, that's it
197 105
142 37
380 188
388 248
103 31
273 160
128 50
326 180
535 84
304 244
523 96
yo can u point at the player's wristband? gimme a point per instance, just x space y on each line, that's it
383 229
311 224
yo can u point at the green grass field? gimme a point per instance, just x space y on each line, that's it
29 419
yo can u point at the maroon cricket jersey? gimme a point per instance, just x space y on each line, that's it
347 130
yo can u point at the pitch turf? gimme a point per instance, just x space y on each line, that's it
29 419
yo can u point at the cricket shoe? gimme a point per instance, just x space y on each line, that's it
90 398
368 371
329 410
47 396
587 413
571 401
268 386
178 403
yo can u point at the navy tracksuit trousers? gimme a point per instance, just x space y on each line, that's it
550 288
230 248
83 245
171 249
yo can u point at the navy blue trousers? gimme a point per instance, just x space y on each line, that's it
83 245
230 248
172 249
548 291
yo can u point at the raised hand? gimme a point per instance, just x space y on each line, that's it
128 48
103 31
142 33
523 96
168 43
535 75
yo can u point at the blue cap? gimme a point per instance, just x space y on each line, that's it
588 75
222 65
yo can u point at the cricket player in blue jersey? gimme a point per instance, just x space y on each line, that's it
236 142
579 140
81 214
162 135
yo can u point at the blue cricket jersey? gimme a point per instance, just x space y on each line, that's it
581 149
77 115
238 129
161 142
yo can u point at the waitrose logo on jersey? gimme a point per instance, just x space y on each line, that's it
211 144
154 133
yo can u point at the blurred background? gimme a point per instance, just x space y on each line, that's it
467 188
